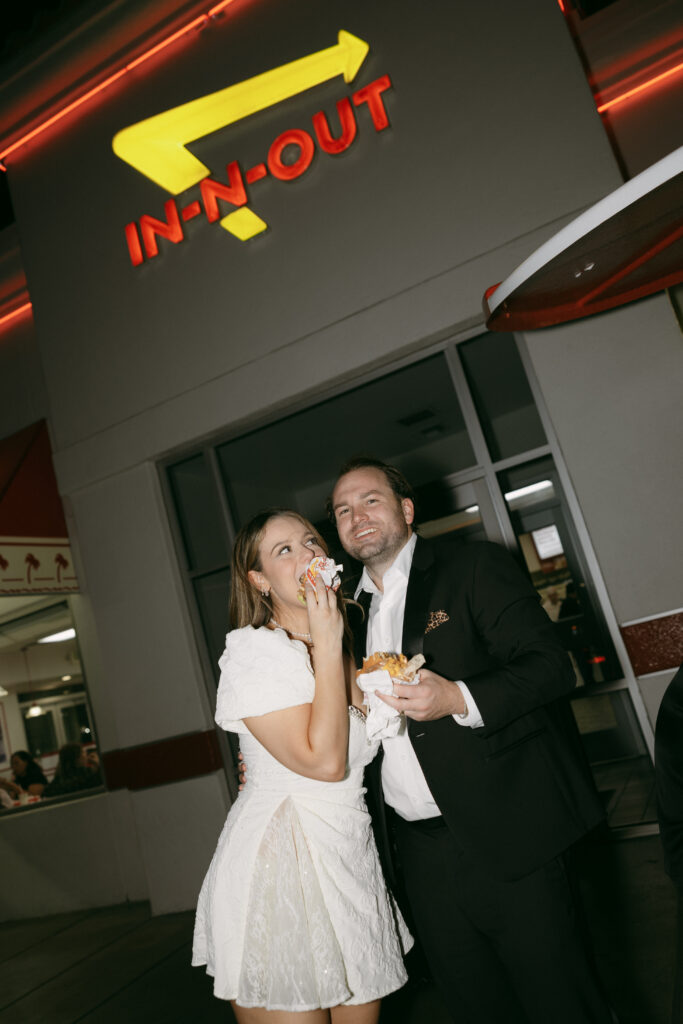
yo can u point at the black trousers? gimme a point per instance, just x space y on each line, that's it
500 952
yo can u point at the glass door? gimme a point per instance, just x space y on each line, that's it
602 704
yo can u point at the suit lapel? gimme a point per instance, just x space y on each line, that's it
417 599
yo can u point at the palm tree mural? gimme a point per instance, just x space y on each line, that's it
32 563
61 564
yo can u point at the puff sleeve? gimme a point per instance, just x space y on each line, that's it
262 670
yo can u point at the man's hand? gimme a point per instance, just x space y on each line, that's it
433 697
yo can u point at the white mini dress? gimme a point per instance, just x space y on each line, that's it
294 913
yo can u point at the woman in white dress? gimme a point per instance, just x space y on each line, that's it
294 921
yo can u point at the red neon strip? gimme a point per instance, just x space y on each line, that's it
62 113
218 8
632 92
195 23
15 312
201 20
562 7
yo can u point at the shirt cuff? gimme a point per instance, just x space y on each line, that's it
472 716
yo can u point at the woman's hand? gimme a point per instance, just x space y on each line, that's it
325 622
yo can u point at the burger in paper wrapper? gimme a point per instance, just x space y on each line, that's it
397 665
328 572
379 672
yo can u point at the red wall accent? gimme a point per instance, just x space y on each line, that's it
30 505
655 645
170 760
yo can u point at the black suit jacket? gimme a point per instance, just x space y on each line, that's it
669 775
518 791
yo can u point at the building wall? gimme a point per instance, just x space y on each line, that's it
494 143
400 209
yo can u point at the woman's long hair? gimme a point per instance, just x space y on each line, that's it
26 758
248 606
69 762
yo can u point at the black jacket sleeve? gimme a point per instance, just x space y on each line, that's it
532 669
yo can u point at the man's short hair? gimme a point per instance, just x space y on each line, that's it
395 478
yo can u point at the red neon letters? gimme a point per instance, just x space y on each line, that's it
141 237
287 172
234 192
347 120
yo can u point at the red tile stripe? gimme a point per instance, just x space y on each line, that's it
655 644
156 764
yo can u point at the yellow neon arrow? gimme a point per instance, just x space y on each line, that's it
156 146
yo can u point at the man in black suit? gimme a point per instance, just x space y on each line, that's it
669 775
486 787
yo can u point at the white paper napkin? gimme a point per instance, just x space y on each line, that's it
383 721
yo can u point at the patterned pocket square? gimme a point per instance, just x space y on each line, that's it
436 619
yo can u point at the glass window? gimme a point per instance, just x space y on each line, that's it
76 723
47 737
212 593
458 513
41 735
410 418
502 396
609 729
536 507
199 514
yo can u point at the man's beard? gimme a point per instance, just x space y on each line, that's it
381 549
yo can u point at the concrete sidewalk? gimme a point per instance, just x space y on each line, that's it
119 965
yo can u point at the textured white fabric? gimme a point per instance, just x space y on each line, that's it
293 913
248 686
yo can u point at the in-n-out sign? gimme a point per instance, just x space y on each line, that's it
156 147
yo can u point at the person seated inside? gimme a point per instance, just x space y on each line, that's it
76 770
28 776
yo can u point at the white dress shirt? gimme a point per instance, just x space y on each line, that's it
403 782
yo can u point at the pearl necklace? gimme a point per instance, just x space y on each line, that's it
306 637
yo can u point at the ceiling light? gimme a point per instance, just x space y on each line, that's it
521 492
54 638
4 692
34 711
65 679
